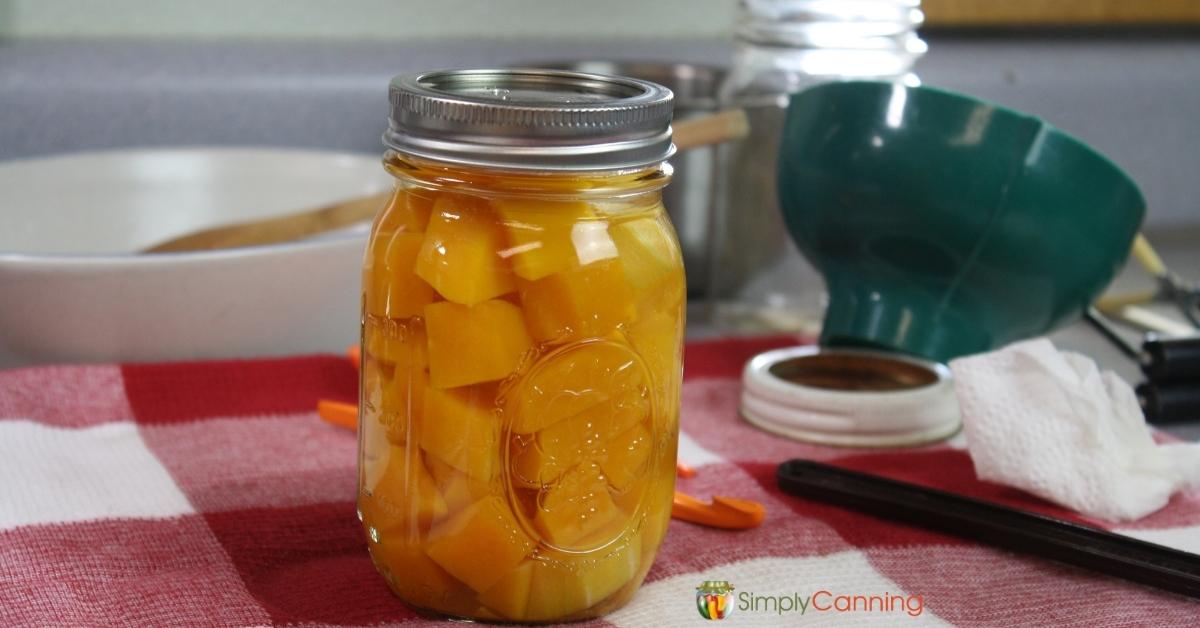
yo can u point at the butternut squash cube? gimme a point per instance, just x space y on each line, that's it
404 499
458 489
559 588
575 506
469 345
572 380
509 596
398 343
480 544
407 210
627 456
393 289
539 234
649 254
459 427
403 403
658 339
585 302
375 452
586 435
460 255
415 576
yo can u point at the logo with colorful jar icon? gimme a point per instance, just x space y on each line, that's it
714 599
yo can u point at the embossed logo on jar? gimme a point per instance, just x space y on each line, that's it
580 440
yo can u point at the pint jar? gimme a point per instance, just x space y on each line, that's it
523 304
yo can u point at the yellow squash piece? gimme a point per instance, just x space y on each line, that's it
376 447
469 345
584 302
397 342
418 579
460 255
649 254
458 489
404 500
559 588
574 507
402 403
658 339
480 544
539 234
509 596
586 435
572 380
459 427
393 291
407 210
376 376
627 455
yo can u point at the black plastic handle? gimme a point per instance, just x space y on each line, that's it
1170 402
1017 530
1171 359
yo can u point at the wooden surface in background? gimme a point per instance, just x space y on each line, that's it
1059 12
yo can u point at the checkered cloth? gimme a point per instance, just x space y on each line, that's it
211 494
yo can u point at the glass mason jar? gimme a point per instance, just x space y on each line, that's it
758 281
523 300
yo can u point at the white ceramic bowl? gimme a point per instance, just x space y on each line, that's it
73 289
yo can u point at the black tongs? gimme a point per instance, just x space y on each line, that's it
1017 530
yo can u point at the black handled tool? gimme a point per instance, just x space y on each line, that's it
1171 359
1017 530
1171 402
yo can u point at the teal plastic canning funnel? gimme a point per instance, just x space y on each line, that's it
945 225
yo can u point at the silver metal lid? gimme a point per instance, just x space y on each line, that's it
530 119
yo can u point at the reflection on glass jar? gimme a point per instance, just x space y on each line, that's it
758 280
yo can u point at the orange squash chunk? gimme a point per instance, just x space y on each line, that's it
559 588
407 210
460 255
586 435
627 456
459 427
458 489
539 234
469 345
399 343
403 403
585 302
418 579
375 377
572 380
393 290
404 498
375 453
509 596
658 338
575 506
480 544
649 255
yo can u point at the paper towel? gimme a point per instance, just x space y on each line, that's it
1051 423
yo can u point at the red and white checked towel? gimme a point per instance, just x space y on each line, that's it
211 494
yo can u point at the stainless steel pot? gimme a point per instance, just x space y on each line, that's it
689 197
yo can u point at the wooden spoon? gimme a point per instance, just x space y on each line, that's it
700 131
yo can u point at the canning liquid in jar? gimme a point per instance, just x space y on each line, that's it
520 385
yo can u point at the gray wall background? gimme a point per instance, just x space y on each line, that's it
81 75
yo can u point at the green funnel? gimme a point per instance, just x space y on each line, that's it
945 225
